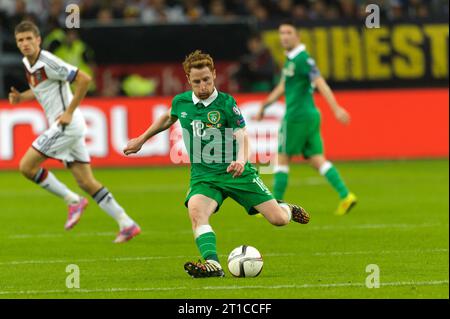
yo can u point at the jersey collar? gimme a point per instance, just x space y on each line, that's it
295 51
28 64
35 61
207 101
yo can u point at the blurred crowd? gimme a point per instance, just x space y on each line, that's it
256 71
185 11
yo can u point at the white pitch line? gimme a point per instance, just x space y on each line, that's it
86 260
118 259
129 189
375 226
234 287
368 252
147 258
90 234
56 235
312 227
150 188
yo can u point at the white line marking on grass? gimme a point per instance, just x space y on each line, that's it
307 181
374 226
57 235
234 287
161 188
147 258
87 260
368 252
313 228
150 188
93 260
89 234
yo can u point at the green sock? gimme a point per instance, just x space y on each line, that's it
280 184
206 244
333 177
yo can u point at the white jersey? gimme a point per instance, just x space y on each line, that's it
49 78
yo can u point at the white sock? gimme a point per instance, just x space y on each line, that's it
281 168
71 198
286 208
107 202
202 229
323 169
48 181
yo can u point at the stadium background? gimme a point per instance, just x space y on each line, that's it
135 49
393 80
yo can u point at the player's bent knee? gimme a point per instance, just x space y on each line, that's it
197 216
195 213
27 169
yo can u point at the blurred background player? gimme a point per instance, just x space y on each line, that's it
300 128
257 69
74 51
49 78
205 112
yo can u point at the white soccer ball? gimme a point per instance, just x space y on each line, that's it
245 261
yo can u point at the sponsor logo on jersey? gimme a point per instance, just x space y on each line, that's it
236 110
183 114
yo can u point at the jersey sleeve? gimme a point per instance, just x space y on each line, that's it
235 117
173 108
59 70
309 68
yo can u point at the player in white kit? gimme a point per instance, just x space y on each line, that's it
49 79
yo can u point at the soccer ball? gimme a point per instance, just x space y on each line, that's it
245 261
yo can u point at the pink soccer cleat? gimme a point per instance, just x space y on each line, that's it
75 212
127 233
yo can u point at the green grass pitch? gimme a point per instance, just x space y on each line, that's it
399 224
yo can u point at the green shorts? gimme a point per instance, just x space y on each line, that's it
248 189
301 137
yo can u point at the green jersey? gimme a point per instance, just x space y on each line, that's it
298 73
208 127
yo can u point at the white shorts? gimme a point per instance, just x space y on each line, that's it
67 148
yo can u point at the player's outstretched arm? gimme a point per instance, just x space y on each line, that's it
276 93
82 81
339 112
161 124
15 97
237 167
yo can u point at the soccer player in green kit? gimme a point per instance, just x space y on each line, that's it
215 137
300 129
